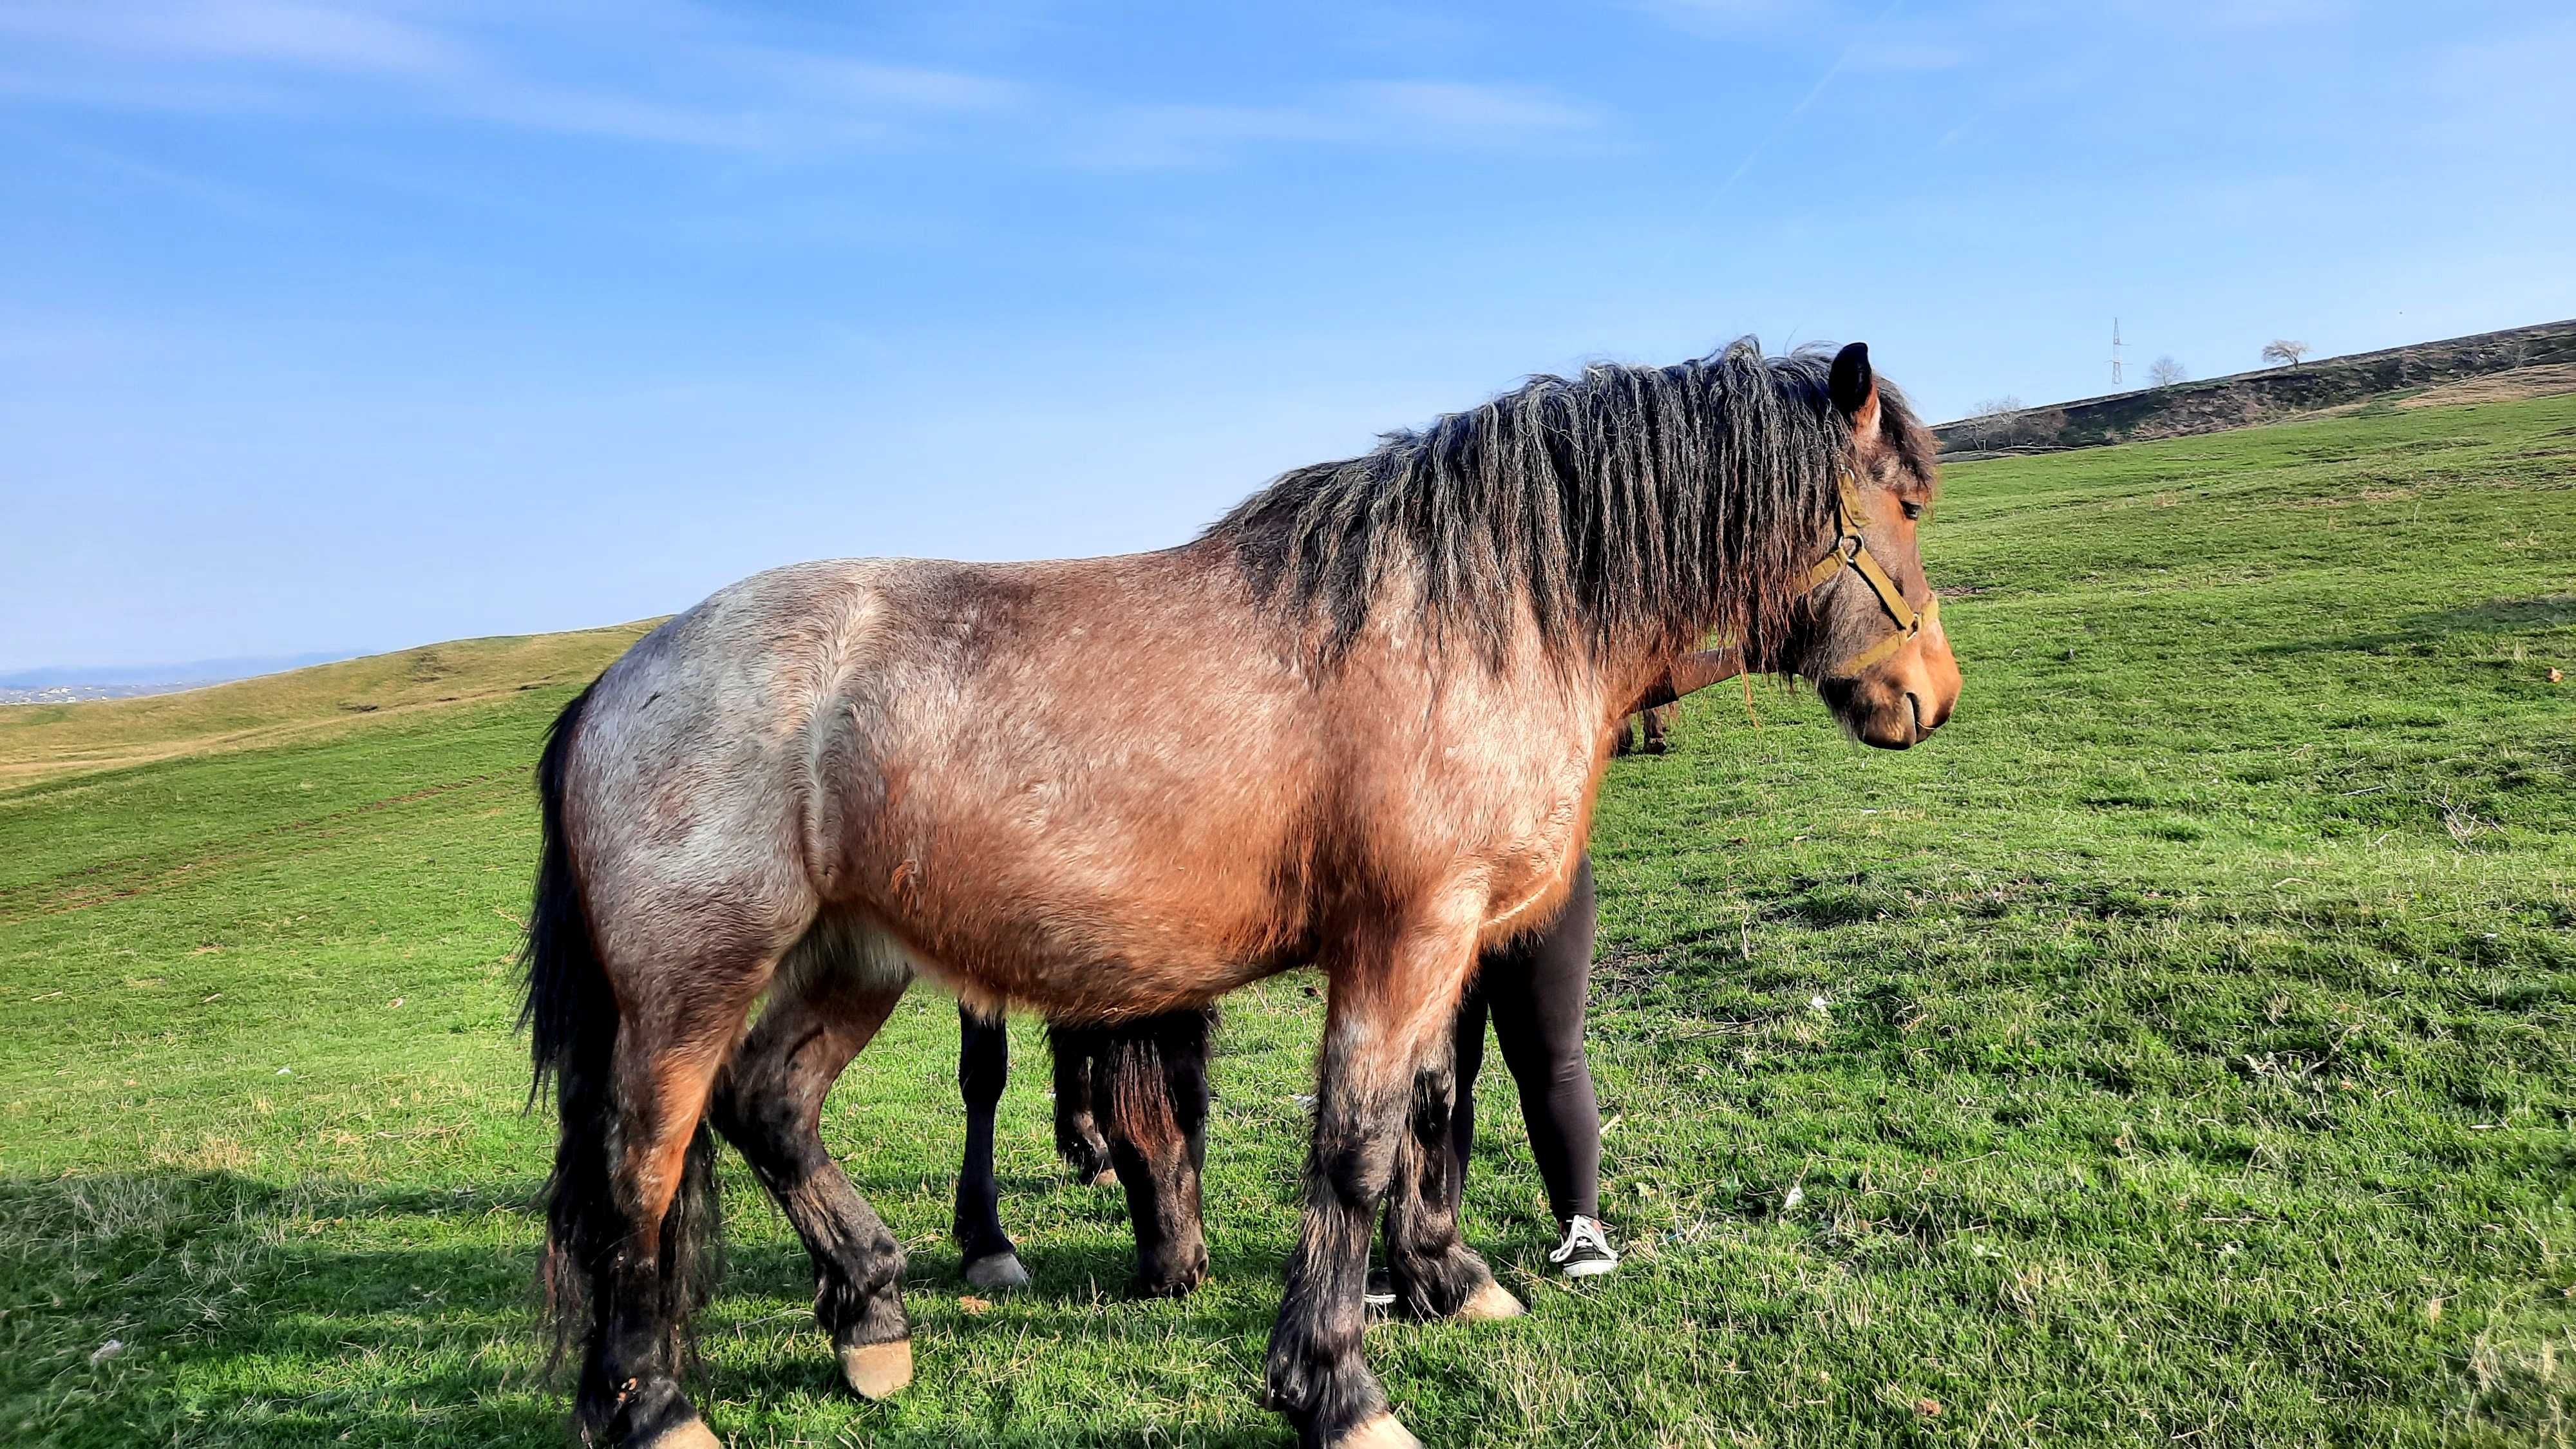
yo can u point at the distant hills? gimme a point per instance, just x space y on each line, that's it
73 683
43 740
2518 362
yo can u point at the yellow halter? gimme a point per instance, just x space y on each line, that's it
1850 551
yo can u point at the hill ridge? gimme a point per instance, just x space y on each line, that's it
2542 356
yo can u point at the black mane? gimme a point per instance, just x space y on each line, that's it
1630 507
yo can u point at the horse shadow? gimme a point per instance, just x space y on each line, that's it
212 1307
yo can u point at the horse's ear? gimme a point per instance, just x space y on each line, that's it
1855 387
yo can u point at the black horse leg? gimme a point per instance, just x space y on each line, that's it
983 1069
1653 725
1149 1079
1077 1127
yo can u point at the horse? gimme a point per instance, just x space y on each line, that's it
1401 673
1131 1106
1149 1083
1643 731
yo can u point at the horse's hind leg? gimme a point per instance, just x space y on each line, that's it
770 1106
1150 1079
983 1069
1077 1129
632 1241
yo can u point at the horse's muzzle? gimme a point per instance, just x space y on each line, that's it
1898 704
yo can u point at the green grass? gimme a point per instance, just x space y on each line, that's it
2180 1049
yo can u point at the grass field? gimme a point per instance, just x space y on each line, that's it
2180 1049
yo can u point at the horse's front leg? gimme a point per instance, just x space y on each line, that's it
1436 1274
1390 1002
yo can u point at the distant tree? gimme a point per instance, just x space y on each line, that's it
1988 416
2165 372
2285 352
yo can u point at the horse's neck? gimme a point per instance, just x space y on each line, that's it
1637 680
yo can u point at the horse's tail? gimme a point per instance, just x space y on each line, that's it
571 1016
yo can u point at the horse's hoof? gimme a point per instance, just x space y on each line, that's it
692 1435
1178 1286
1382 1432
1105 1177
877 1370
1491 1302
998 1273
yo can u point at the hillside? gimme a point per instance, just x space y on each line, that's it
2489 366
38 741
2178 1049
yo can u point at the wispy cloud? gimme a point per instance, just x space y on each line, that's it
2234 14
309 55
1731 17
834 78
1842 61
1906 55
1437 114
678 74
2506 93
1467 109
332 37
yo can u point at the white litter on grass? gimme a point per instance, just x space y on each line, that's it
106 1351
286 1071
1818 1003
1794 1196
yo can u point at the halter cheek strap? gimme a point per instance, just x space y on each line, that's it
1851 551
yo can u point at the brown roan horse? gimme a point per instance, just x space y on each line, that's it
1358 724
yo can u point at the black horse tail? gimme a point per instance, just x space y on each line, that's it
570 1014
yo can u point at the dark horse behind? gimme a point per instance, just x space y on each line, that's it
833 777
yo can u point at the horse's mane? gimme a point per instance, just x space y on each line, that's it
1630 507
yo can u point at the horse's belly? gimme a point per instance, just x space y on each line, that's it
1096 921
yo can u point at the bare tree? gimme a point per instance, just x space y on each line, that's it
2284 351
1988 416
2165 372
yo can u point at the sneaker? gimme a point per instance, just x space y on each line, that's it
1586 1251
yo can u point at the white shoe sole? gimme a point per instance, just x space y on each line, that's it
1590 1270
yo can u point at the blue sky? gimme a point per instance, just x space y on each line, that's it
353 325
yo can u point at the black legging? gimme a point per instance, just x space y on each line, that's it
1534 990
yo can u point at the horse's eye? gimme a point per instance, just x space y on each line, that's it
1912 510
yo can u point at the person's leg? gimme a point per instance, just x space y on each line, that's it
1469 1058
1536 991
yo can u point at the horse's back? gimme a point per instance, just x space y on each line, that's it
1093 763
1114 783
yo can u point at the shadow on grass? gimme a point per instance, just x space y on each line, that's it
2427 631
242 1312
